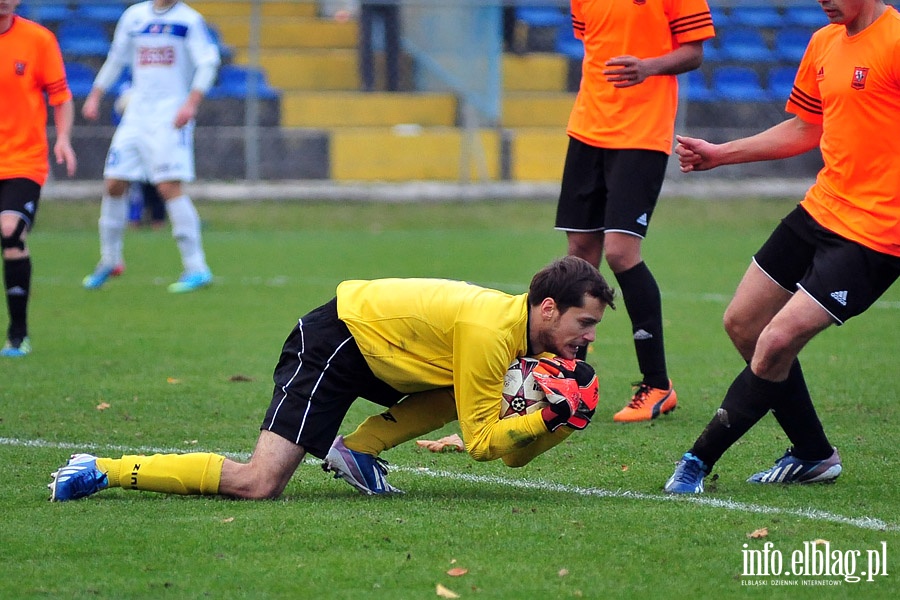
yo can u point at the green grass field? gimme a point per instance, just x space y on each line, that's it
586 520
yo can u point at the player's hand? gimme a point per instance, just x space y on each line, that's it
64 154
695 154
91 108
185 114
625 71
571 388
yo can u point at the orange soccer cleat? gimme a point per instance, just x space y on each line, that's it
647 404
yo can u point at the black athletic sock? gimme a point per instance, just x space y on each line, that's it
17 281
797 416
746 402
644 305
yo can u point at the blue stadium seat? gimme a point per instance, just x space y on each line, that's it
744 44
102 12
761 16
567 44
805 16
47 14
720 17
82 39
781 82
693 87
80 78
739 84
235 81
791 42
542 16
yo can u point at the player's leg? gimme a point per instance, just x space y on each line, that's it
173 164
581 208
18 206
264 476
415 415
745 402
123 164
634 179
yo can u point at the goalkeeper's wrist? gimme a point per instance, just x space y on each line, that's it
552 420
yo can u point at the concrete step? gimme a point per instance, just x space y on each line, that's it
539 72
537 153
211 9
411 154
536 109
288 33
323 70
376 109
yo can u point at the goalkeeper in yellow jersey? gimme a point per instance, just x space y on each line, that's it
429 350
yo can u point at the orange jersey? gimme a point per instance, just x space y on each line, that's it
642 116
31 66
851 86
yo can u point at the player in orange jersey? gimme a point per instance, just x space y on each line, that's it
620 137
829 259
31 67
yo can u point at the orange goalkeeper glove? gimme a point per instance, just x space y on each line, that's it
572 390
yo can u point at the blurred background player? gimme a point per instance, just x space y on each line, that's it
431 350
31 74
386 14
620 137
831 258
173 61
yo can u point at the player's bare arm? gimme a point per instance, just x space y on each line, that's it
789 138
64 116
627 71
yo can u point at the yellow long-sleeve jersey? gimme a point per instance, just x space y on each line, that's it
421 334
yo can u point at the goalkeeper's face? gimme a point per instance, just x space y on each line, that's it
562 333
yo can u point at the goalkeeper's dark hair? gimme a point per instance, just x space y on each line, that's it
567 280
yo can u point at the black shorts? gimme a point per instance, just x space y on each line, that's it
609 190
844 277
20 195
321 372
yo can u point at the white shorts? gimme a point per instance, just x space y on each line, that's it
151 152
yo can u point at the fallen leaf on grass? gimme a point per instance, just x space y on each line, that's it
563 572
228 520
240 378
759 533
450 443
624 468
445 593
457 572
172 380
103 406
819 541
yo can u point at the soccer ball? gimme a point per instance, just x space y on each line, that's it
521 393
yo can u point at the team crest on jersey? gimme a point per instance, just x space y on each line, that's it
20 67
821 74
859 78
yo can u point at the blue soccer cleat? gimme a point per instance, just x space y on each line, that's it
16 347
188 282
790 469
78 478
688 476
96 279
363 471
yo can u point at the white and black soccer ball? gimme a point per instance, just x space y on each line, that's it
521 393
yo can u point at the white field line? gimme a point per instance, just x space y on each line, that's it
705 501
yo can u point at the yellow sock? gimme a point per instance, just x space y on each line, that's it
415 415
186 474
